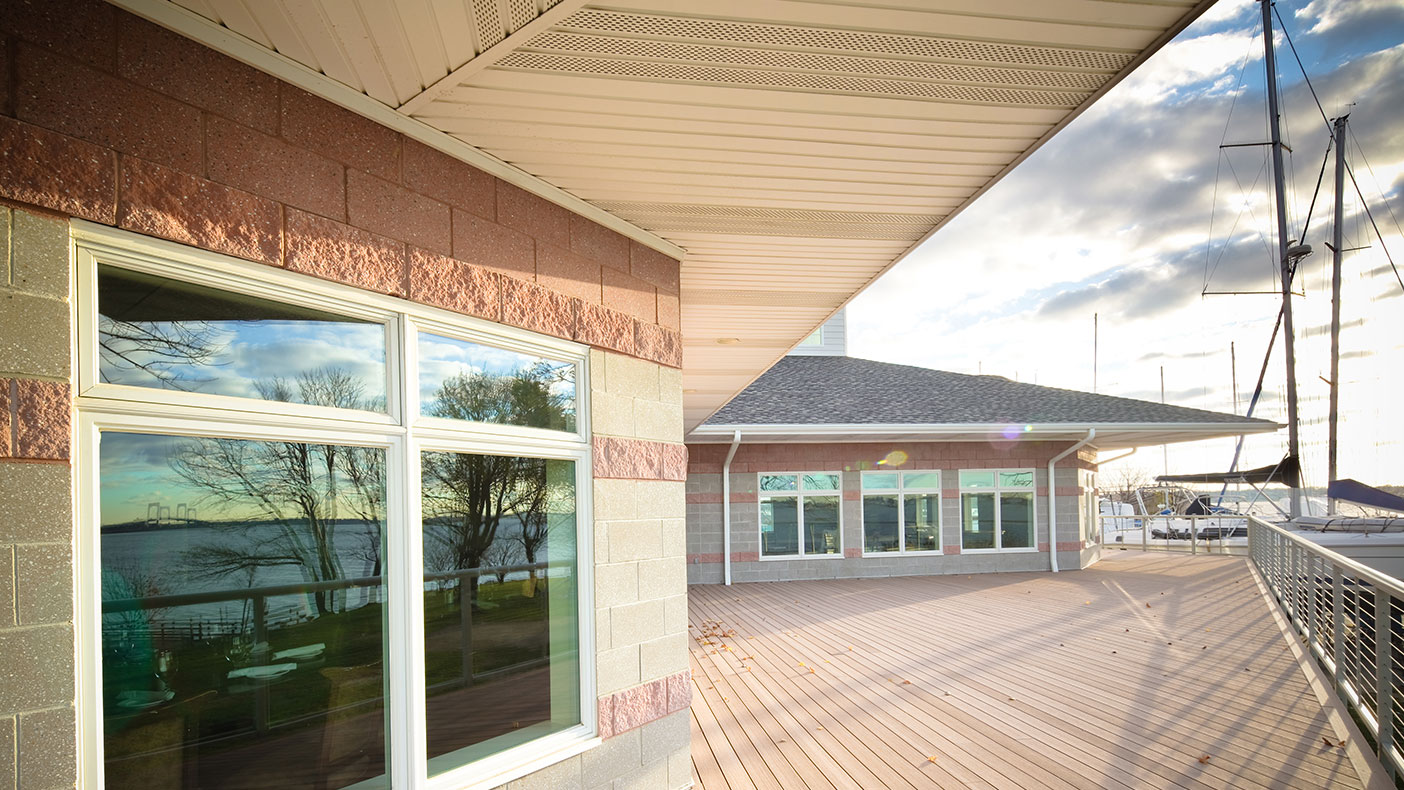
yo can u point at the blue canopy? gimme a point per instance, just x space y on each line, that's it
1361 494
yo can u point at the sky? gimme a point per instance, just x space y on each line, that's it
1133 211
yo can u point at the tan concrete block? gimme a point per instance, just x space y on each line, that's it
662 499
612 414
679 769
650 777
662 578
597 364
35 503
663 656
635 540
602 633
616 584
675 614
674 537
33 335
7 592
670 386
636 378
666 737
615 499
636 623
48 743
616 757
38 250
617 668
37 672
44 583
660 422
9 777
564 775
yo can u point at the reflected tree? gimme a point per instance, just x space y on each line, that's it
158 348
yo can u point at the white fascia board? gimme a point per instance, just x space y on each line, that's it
219 38
819 432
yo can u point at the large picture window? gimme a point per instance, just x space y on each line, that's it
997 509
799 515
901 512
332 539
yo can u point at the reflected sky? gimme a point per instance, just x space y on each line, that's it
443 358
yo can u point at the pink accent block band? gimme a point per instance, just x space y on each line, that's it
634 707
639 459
41 420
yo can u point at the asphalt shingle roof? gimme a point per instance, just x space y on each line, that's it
818 390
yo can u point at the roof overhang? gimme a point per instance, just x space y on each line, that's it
793 150
1110 436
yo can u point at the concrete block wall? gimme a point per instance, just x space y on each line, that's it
704 508
108 118
37 613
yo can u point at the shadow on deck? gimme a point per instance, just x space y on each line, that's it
1143 671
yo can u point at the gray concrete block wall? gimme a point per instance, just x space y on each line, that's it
37 671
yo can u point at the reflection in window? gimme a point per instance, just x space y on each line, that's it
794 523
999 513
501 647
242 613
461 380
901 512
166 334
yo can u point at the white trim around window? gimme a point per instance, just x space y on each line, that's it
998 484
923 486
772 487
398 431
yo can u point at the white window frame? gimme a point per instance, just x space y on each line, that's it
997 489
401 432
900 491
798 494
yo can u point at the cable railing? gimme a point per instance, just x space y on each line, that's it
1210 534
1351 618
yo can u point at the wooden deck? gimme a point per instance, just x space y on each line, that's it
1143 671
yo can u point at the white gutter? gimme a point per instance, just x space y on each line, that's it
1053 499
726 507
723 432
1127 454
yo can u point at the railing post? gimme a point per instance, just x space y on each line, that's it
1313 635
1145 533
259 656
1384 676
465 632
1338 623
1194 536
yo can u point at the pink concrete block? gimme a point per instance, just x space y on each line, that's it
174 65
454 285
535 216
673 462
7 93
657 344
265 165
530 306
649 264
7 447
745 556
598 243
679 691
640 705
68 97
395 212
336 251
604 328
605 717
700 498
669 311
484 243
358 142
159 201
431 172
42 418
81 29
565 272
704 558
629 294
58 172
852 553
950 550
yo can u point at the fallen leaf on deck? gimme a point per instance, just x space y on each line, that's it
1147 606
931 759
1204 760
906 683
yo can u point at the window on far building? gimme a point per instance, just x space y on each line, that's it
996 509
815 339
799 514
901 512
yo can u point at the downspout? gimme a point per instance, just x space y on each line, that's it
726 507
1053 499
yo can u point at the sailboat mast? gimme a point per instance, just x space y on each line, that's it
1337 250
1282 245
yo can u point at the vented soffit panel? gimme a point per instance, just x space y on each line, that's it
795 150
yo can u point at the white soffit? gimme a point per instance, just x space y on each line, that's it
795 149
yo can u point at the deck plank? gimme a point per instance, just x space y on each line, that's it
1122 675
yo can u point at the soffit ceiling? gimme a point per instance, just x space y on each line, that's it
795 149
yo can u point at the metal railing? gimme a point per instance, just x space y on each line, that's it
1212 534
1351 618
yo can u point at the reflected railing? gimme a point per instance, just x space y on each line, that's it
1351 619
1208 534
